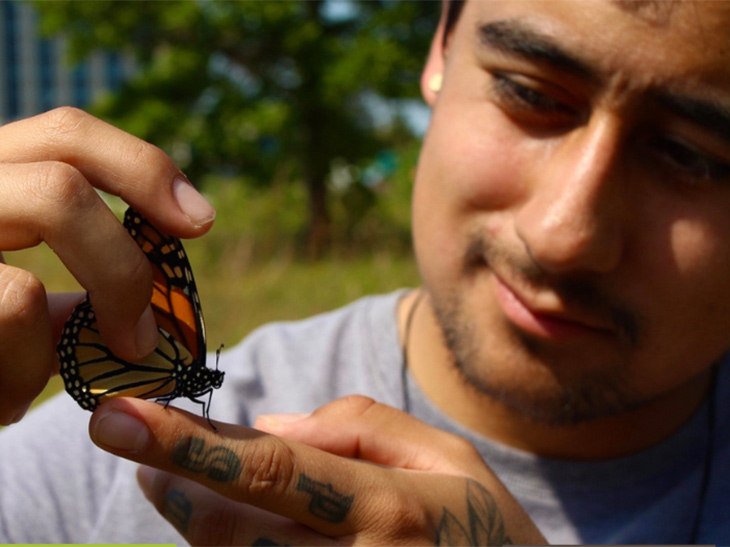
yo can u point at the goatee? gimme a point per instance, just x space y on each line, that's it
571 399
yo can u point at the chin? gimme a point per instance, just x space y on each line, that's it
520 374
558 405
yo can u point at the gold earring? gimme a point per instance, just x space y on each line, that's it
434 83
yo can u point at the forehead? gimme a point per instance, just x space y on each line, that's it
668 39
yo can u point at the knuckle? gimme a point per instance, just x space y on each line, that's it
22 298
462 448
63 120
355 404
144 153
158 165
269 468
60 182
400 519
462 457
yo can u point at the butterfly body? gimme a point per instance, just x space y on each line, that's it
176 368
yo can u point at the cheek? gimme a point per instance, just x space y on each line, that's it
474 156
702 262
469 169
698 249
687 298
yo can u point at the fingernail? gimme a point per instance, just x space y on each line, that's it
121 431
146 334
275 420
198 210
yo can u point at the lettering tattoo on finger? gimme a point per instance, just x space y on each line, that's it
177 509
325 502
483 525
217 462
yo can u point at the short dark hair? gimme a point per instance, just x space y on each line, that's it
453 10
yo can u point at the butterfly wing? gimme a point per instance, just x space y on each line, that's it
175 299
92 373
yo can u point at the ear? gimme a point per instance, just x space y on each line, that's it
434 63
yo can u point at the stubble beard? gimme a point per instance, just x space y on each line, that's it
554 399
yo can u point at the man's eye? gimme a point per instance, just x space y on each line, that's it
691 162
522 100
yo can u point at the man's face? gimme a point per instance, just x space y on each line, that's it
572 201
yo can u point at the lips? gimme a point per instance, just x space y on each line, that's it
549 323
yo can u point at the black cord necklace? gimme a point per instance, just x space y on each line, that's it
710 429
404 351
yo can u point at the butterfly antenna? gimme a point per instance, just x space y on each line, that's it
218 355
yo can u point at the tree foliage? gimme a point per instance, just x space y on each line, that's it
273 90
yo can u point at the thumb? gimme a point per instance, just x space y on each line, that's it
359 427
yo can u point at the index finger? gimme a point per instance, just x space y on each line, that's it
356 426
48 166
319 490
74 221
341 498
111 160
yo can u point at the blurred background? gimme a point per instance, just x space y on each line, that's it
299 120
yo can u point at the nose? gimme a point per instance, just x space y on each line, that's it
572 220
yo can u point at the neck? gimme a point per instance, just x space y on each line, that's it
431 366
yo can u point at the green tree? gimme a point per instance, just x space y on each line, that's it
271 90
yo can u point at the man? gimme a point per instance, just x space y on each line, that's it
570 224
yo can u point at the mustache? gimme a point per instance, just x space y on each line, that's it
579 292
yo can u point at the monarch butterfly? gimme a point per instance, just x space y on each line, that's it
176 368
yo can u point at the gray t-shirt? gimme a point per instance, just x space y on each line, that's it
56 486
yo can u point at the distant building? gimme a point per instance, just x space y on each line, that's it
35 75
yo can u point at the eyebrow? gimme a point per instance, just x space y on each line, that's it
513 38
708 114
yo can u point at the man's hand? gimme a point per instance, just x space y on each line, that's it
50 166
317 486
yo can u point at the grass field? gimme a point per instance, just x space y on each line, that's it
239 294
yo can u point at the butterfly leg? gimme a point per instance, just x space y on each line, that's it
206 406
167 399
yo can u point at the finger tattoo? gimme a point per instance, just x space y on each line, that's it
325 502
177 509
217 462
